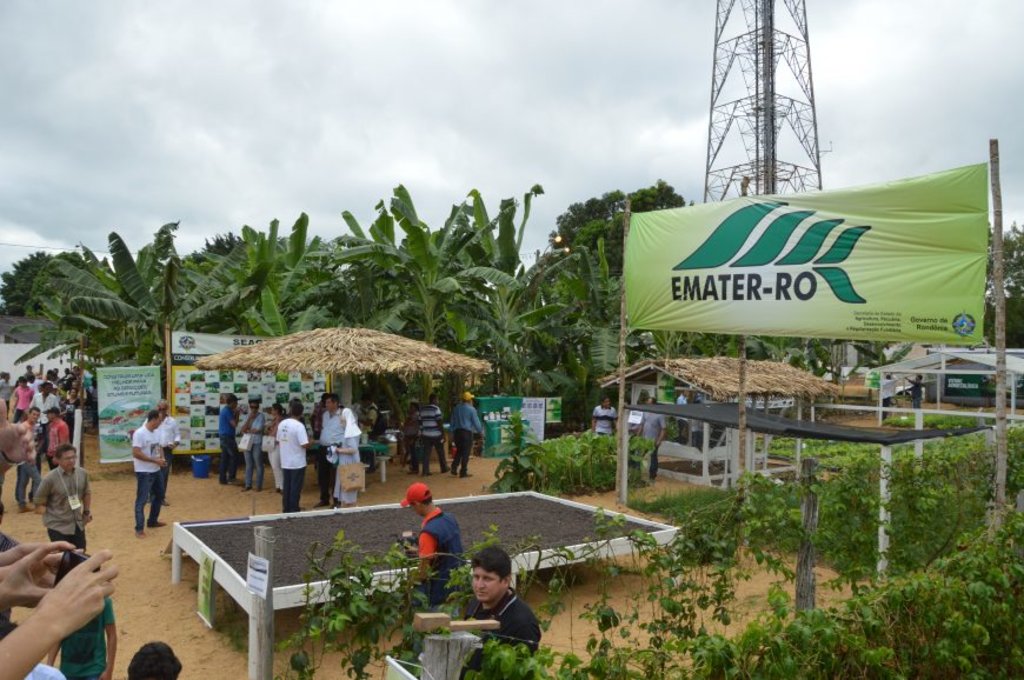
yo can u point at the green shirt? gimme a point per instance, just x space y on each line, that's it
84 652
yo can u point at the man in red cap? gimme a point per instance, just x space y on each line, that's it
440 544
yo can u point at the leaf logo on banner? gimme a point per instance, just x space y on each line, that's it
731 236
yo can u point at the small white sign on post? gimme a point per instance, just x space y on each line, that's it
534 411
256 576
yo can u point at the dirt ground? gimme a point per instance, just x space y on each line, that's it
148 607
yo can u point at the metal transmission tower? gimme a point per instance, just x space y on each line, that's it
757 112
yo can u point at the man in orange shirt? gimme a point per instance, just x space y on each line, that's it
440 544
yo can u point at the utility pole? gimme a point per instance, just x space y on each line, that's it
750 117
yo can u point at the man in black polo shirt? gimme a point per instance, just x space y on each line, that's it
495 599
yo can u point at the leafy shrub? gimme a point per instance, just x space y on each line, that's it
571 464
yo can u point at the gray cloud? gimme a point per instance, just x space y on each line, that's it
122 116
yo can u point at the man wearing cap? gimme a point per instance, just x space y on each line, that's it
440 544
465 423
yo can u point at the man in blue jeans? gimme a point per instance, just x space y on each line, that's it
226 428
148 458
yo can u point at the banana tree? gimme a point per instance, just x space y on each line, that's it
432 270
267 285
117 308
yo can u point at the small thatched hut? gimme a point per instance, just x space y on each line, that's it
718 377
345 351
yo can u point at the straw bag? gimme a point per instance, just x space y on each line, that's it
353 477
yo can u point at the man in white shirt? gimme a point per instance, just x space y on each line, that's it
148 458
170 437
292 441
332 433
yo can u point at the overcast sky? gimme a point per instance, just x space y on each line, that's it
121 116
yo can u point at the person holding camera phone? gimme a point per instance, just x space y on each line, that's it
59 611
64 499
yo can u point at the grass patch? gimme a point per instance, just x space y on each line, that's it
932 421
704 503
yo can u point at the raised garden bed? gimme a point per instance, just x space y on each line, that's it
532 526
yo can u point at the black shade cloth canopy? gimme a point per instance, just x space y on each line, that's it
727 415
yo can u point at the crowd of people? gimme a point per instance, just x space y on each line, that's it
31 575
69 592
285 436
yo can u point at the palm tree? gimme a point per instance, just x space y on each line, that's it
119 308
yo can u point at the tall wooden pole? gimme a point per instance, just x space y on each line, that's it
168 372
1000 310
805 579
741 392
622 470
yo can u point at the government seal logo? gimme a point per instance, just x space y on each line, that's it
187 342
963 324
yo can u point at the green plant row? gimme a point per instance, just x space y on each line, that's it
572 464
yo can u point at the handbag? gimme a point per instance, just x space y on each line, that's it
353 477
245 442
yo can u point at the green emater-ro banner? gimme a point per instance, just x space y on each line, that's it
899 261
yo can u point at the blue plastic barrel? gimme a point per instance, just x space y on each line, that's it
200 467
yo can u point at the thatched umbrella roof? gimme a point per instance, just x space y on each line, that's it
345 350
720 377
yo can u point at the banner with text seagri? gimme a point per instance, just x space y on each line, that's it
187 347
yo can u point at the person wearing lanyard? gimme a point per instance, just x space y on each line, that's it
64 499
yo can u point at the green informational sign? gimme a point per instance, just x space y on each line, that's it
666 389
975 385
124 396
205 590
899 261
554 410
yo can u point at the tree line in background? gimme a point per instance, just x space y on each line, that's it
548 322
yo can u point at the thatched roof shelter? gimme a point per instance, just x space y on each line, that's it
719 377
345 350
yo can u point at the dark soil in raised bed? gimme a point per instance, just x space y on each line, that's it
522 522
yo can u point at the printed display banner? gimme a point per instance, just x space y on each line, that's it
124 396
899 261
187 347
197 397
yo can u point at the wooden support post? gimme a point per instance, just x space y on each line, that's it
918 425
999 300
261 616
799 440
741 407
168 371
622 471
805 581
444 656
883 510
